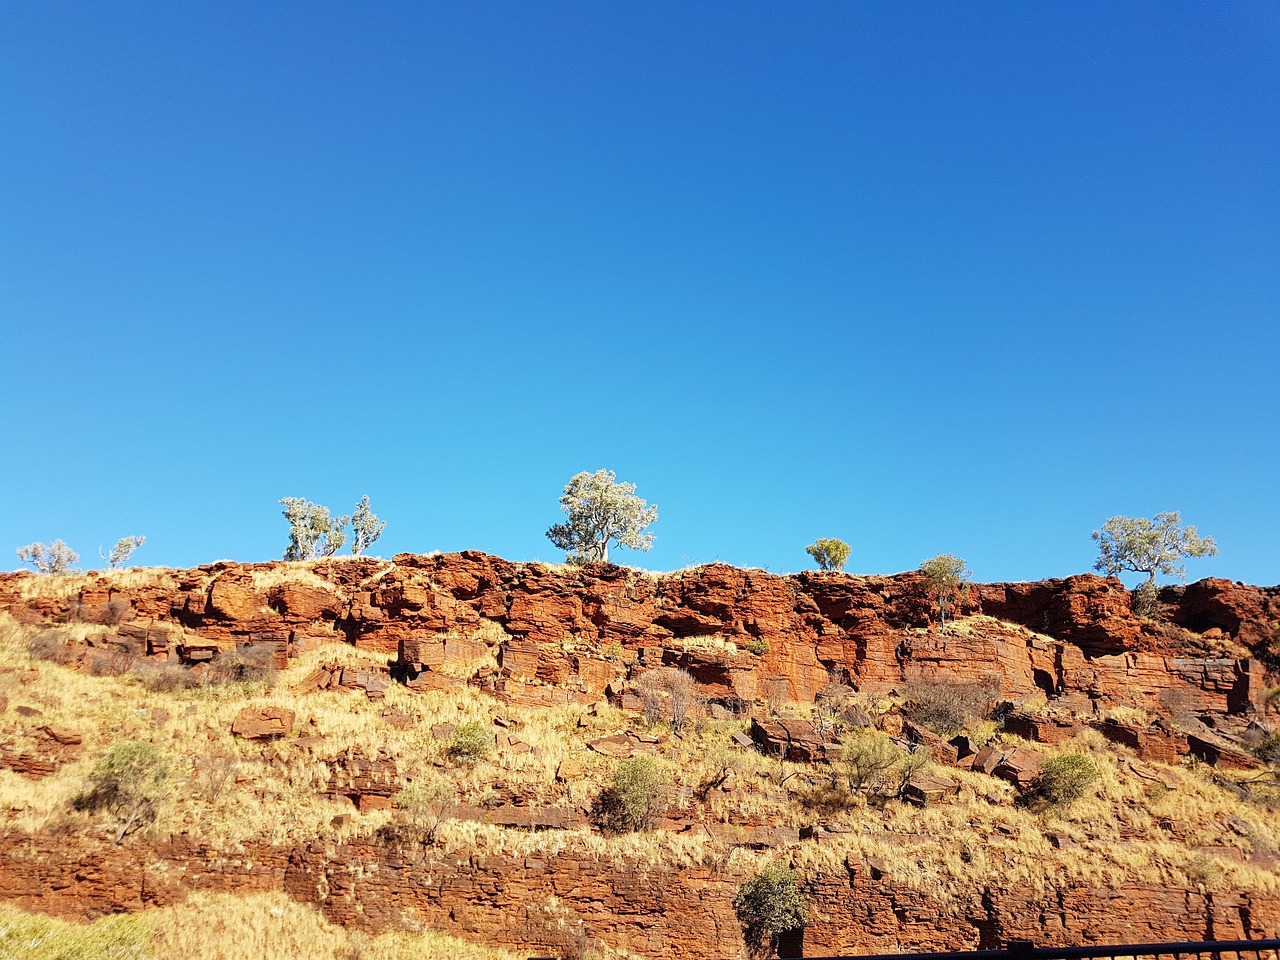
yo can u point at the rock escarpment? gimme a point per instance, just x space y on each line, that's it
541 634
547 901
536 635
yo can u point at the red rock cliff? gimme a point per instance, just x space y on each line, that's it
555 632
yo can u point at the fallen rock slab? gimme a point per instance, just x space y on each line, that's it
262 723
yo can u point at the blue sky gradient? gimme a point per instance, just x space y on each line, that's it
927 277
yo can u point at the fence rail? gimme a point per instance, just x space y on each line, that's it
1026 950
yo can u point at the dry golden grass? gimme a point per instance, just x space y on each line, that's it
226 792
706 644
266 576
44 587
222 927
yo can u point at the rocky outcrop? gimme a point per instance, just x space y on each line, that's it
538 634
532 903
542 635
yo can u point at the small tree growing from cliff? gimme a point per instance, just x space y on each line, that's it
829 553
601 511
312 533
768 905
420 808
365 527
54 558
947 580
1139 545
121 552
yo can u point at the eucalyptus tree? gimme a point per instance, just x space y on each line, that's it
601 511
1139 545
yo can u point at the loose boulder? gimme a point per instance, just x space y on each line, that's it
262 723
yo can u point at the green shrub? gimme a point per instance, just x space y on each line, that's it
635 796
757 645
420 808
867 759
1268 751
1145 599
127 782
1066 777
768 905
470 743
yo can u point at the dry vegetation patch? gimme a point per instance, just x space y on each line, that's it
224 791
222 927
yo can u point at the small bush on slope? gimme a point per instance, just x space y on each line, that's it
635 797
768 905
1066 777
128 781
471 743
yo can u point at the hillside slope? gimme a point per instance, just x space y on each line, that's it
347 681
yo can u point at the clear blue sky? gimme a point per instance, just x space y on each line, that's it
927 277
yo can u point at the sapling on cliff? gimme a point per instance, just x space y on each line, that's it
128 781
947 579
122 551
365 527
828 553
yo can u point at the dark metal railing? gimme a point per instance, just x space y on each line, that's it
1026 950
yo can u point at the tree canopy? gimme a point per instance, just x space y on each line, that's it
601 511
828 553
312 533
122 551
365 527
1139 545
49 558
768 905
946 576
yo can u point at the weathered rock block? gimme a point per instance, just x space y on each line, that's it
263 723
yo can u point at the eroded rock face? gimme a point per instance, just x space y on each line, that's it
1248 614
525 903
541 635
